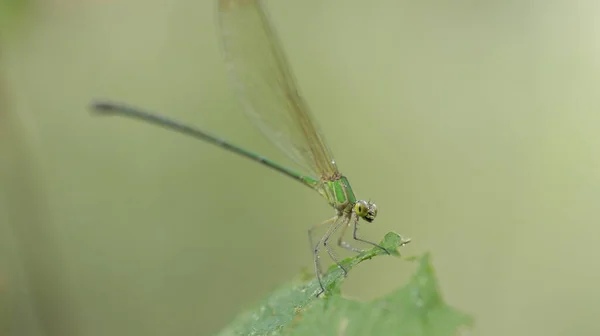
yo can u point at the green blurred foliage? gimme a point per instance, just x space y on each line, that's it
417 308
473 125
301 307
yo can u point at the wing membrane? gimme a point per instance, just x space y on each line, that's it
267 88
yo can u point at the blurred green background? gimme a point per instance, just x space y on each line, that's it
472 124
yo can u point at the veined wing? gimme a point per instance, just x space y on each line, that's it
267 88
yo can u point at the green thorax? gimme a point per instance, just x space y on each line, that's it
338 192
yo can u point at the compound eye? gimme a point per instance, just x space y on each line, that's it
361 208
373 210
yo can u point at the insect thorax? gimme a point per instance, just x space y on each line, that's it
339 193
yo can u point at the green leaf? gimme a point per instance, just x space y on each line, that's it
415 309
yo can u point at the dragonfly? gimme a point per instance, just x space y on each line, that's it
265 85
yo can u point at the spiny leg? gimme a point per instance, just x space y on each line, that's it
346 245
315 248
363 240
343 222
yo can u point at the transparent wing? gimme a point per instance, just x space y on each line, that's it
267 88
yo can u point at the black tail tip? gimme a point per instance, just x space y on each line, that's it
99 106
